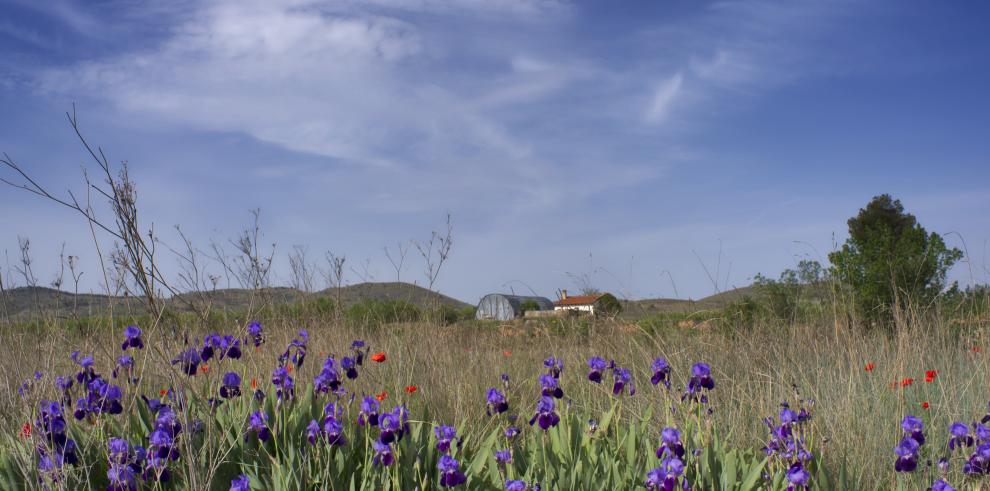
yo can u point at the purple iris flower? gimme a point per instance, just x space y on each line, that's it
701 379
258 423
132 338
241 483
162 445
797 477
667 476
333 431
554 366
596 366
358 354
670 444
960 436
101 398
328 380
551 386
254 333
369 412
312 432
661 372
450 474
118 449
445 434
125 364
941 485
979 461
907 455
64 384
189 361
168 420
231 385
296 350
230 347
515 485
496 402
621 377
982 432
546 413
391 426
914 428
211 343
86 373
503 456
383 454
156 469
511 432
285 386
349 366
121 478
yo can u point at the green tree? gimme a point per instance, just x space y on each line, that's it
889 259
529 305
609 305
783 298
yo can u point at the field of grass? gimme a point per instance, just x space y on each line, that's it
856 386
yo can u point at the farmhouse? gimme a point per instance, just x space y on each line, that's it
502 307
590 304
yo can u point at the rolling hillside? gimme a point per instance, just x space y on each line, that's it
25 302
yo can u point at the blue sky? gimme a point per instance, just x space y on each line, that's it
627 142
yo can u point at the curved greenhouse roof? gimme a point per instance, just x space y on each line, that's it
500 306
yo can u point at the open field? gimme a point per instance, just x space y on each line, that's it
855 421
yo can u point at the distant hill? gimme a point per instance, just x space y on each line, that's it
413 294
25 302
639 308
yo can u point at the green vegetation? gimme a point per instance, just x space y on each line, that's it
608 305
529 305
890 260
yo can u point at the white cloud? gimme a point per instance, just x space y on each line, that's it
663 98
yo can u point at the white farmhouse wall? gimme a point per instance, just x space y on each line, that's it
580 308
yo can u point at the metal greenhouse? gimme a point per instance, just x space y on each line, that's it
499 306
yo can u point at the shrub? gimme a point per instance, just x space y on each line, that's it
609 305
377 312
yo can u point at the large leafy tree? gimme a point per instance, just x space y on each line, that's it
890 259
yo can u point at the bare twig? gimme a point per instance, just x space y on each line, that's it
435 253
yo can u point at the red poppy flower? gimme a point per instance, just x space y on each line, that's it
205 368
163 392
254 383
869 367
976 349
906 382
382 396
924 405
412 388
25 431
930 375
378 357
288 368
506 353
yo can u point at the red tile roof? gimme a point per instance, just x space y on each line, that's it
571 301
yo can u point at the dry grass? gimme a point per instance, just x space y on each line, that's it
857 411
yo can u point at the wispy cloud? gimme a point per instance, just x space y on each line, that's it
67 13
663 99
